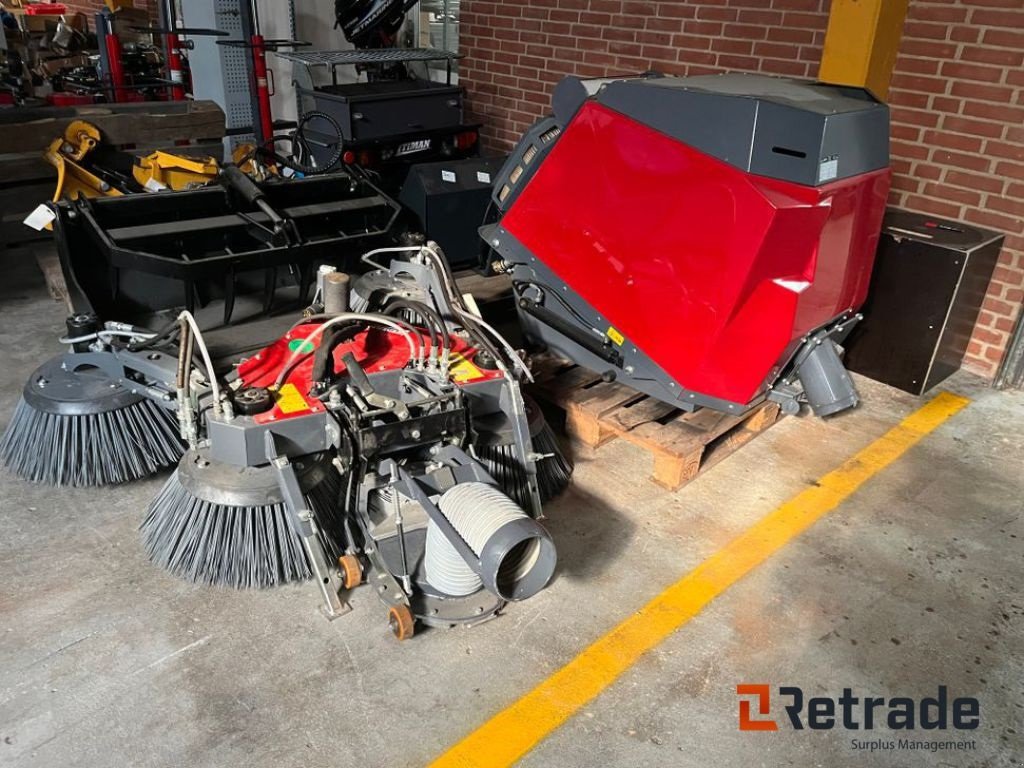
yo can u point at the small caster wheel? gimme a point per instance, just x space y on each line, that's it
401 621
791 407
351 571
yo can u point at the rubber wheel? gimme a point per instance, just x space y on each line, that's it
351 571
401 622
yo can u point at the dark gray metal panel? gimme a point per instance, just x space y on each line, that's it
569 95
517 171
800 131
718 125
859 142
786 144
241 442
808 149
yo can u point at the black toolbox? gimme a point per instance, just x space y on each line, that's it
929 281
386 109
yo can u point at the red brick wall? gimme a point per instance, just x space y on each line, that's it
516 52
957 93
957 100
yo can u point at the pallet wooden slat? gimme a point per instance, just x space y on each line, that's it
643 412
142 123
49 264
682 444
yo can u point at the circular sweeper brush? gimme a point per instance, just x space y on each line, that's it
553 472
214 523
76 426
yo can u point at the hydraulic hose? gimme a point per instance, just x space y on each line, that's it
432 320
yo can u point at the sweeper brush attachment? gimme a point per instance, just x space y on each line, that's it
78 427
554 469
213 523
706 240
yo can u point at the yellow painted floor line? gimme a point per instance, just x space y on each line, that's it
514 731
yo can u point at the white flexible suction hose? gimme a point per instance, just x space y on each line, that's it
478 511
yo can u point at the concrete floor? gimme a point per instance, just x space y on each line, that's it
911 583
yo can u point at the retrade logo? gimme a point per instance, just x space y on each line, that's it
853 713
762 693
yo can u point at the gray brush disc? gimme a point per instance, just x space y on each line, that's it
370 291
214 523
553 473
79 427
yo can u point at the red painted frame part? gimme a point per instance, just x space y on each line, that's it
375 350
713 273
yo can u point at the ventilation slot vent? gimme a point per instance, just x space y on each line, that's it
789 152
550 134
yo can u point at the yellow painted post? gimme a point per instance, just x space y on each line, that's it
861 43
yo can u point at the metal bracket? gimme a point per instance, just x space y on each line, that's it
457 466
361 382
516 408
787 395
304 524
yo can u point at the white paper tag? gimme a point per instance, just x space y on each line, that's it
152 185
40 217
828 169
483 178
448 176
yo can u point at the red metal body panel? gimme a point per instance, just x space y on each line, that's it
713 273
375 351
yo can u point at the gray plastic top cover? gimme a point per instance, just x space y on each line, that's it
797 130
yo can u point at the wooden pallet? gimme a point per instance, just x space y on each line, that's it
683 444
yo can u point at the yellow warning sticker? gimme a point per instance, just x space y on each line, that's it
290 400
462 370
615 336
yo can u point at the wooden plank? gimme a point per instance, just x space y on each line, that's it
726 445
18 201
46 257
673 472
145 123
23 114
763 418
23 166
200 149
13 232
546 373
682 444
483 288
704 419
586 411
559 388
601 397
642 412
